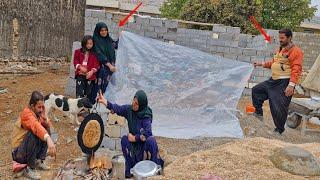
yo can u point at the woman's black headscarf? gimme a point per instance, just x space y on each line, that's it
144 112
103 46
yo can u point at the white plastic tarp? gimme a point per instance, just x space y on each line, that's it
192 94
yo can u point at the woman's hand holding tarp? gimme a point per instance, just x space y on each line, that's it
111 67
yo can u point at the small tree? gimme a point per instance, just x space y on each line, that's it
227 12
286 13
273 14
172 8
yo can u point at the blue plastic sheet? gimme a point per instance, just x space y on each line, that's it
192 94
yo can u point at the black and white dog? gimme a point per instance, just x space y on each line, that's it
70 107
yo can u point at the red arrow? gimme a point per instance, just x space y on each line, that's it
124 20
262 31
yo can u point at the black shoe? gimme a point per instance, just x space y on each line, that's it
129 176
275 132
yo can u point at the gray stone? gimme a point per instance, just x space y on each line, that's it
244 58
98 13
124 131
264 53
69 140
235 50
296 160
87 13
219 28
55 66
170 24
156 22
234 30
225 36
250 52
118 167
108 143
153 35
70 89
170 37
161 30
232 43
92 20
230 56
181 30
247 92
118 144
109 15
143 20
215 42
223 49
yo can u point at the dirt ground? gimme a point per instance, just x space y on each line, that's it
20 88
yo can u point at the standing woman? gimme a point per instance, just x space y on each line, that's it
104 48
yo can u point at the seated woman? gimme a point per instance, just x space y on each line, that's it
139 144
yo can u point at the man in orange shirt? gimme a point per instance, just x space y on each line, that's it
31 138
286 68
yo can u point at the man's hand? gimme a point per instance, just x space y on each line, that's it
89 74
255 64
51 147
289 91
131 138
101 99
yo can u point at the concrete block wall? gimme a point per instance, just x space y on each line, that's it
222 40
115 128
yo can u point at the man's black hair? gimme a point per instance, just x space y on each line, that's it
287 32
35 97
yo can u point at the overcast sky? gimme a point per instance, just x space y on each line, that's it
316 2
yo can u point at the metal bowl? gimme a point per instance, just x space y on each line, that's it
144 169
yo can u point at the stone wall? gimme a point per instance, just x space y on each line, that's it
40 28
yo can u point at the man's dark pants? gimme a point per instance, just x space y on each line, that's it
274 90
31 149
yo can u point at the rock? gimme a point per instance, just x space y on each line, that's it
248 131
9 112
69 140
55 66
118 167
3 90
14 82
296 161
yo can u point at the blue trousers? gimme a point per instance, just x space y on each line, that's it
147 150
